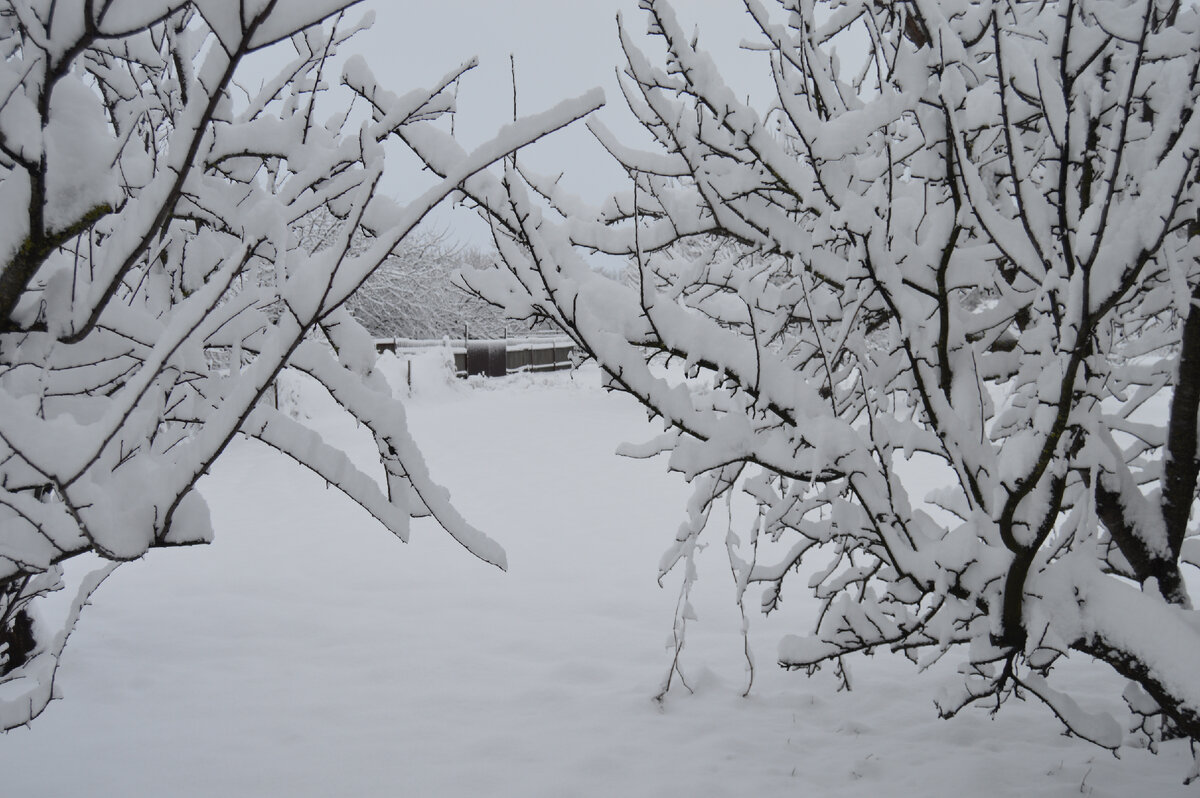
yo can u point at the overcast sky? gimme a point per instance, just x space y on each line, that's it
561 48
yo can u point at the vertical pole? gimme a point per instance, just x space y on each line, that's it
512 63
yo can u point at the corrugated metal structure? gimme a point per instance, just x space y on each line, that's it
484 357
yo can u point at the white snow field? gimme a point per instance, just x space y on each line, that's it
309 653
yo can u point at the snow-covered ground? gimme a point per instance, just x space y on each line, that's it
308 653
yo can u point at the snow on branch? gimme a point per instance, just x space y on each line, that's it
936 300
155 282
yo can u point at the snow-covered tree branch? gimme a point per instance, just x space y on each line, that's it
415 292
152 286
934 311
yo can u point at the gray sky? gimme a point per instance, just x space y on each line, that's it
562 48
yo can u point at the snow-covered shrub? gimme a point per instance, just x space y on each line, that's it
152 288
963 248
414 293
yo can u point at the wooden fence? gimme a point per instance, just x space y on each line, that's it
494 357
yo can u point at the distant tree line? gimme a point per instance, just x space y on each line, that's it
415 292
